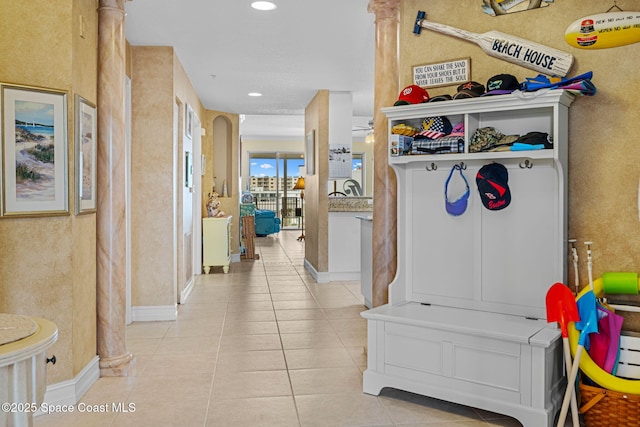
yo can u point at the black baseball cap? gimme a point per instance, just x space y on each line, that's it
501 84
469 90
492 180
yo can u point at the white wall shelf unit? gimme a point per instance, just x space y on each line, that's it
466 315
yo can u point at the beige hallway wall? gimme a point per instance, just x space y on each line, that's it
47 263
153 178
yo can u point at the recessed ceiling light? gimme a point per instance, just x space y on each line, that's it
263 5
255 94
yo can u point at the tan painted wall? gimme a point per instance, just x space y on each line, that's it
604 129
47 264
153 178
316 209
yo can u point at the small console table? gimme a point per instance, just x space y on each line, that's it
216 243
23 377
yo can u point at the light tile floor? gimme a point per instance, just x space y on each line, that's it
263 345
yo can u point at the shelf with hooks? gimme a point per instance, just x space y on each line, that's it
471 277
508 114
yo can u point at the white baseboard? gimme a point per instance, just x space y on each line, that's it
328 276
69 392
319 277
307 266
187 291
154 313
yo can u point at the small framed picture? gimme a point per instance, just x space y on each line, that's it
85 155
188 121
188 169
35 163
310 150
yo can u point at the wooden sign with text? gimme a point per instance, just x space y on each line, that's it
448 73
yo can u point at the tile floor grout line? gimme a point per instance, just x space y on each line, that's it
284 356
344 345
215 367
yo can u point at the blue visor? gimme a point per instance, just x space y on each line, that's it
460 205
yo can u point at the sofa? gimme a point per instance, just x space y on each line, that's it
266 222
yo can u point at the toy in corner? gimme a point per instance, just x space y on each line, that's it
213 206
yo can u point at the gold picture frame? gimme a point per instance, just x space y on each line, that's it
35 162
85 156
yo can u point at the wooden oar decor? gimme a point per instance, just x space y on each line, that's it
519 51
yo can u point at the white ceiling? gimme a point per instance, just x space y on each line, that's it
229 49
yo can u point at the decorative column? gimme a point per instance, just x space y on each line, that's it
110 217
384 187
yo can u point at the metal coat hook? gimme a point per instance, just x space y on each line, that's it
527 164
463 166
433 167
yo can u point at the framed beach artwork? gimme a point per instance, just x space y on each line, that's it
85 155
35 165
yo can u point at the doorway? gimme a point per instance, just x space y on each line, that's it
272 176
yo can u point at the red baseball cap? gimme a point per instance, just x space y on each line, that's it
413 94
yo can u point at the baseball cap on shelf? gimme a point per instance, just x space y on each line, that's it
445 97
502 84
412 94
457 129
536 138
469 90
492 180
434 127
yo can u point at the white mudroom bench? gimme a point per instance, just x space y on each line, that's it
466 317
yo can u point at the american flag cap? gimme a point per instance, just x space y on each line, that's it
435 127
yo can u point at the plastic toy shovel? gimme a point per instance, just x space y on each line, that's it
562 308
588 324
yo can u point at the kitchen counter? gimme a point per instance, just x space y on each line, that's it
350 204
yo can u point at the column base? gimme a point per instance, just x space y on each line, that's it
119 366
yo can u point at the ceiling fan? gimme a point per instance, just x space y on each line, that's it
367 128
